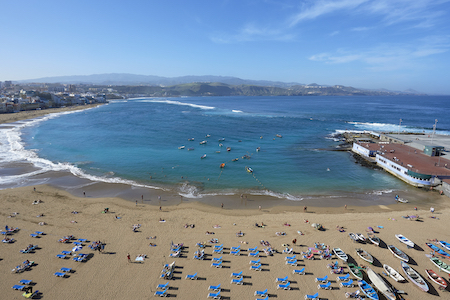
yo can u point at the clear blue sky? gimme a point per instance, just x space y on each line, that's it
393 44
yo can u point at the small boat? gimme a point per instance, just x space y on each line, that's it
202 142
440 264
361 237
381 285
368 290
340 254
398 253
415 277
203 156
364 255
373 238
228 148
192 148
222 139
220 145
250 170
191 139
257 149
355 271
393 273
353 236
181 147
218 151
207 136
404 240
279 135
235 159
438 250
445 244
401 200
436 279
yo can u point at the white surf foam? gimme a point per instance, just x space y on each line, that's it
178 103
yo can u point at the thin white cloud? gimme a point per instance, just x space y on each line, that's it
388 56
251 32
361 28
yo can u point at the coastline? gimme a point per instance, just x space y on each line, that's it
109 274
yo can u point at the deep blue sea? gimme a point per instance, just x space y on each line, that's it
137 142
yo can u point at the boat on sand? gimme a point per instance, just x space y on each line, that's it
436 279
393 273
445 244
381 285
415 277
438 250
368 290
398 253
440 264
364 255
404 240
373 238
340 254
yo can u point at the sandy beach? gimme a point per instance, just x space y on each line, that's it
110 275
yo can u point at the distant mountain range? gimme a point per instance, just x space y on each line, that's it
209 85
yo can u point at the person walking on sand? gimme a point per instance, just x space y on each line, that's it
129 258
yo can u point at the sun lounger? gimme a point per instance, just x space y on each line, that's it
286 286
218 246
66 252
178 253
161 293
325 286
18 287
261 293
254 254
192 277
292 262
30 295
347 284
82 240
355 294
60 256
237 252
217 265
290 257
214 295
237 281
255 262
217 259
236 275
323 279
256 267
34 235
66 270
282 280
299 272
24 281
309 256
236 248
215 288
78 258
218 250
163 286
253 249
59 274
266 298
77 243
343 278
312 297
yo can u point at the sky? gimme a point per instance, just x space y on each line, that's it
373 44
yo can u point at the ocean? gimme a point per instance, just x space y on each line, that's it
136 142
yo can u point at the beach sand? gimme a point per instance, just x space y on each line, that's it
109 275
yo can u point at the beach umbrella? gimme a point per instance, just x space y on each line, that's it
370 228
77 248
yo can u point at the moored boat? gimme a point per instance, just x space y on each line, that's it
373 238
440 264
364 255
190 139
415 277
393 273
228 148
203 142
181 147
355 271
250 170
381 285
340 254
222 165
438 250
190 149
436 278
368 290
404 240
203 156
398 253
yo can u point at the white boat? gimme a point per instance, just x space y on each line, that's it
373 238
203 142
361 237
364 255
380 285
203 156
181 147
353 236
398 253
404 240
445 244
436 278
415 277
393 273
401 200
340 254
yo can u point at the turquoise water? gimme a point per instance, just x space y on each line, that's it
136 142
